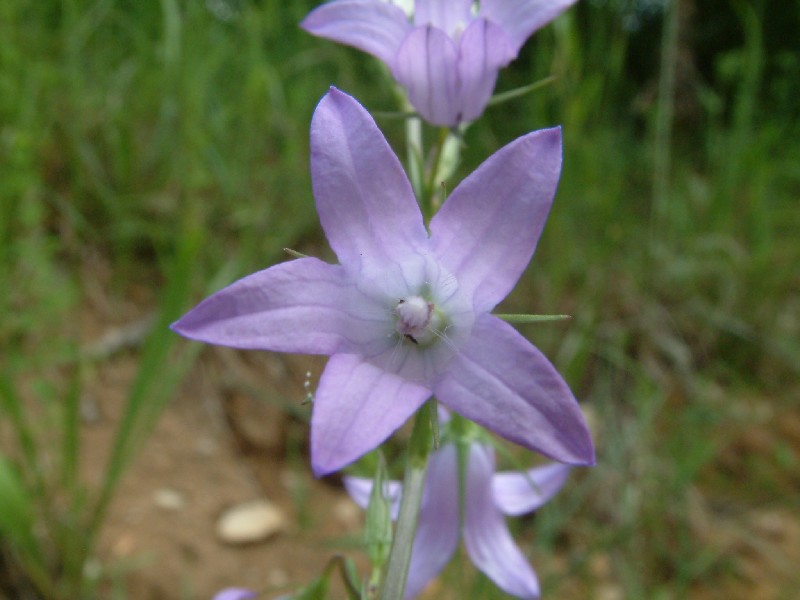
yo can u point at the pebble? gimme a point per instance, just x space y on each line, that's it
169 499
347 513
250 522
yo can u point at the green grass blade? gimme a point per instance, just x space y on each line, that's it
70 447
148 393
17 521
26 440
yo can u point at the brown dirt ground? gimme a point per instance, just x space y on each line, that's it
214 448
225 438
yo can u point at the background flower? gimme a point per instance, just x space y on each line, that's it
235 594
448 55
488 495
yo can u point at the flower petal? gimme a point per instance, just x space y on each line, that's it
426 66
521 493
438 526
360 489
356 407
235 594
447 15
364 199
296 306
520 18
484 48
502 382
487 230
377 28
486 536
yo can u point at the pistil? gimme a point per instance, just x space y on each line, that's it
416 319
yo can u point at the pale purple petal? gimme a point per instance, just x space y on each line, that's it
360 489
364 199
521 493
377 28
235 594
426 66
487 230
447 15
438 526
296 306
502 382
356 407
486 536
484 48
521 18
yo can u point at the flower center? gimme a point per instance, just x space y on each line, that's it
417 319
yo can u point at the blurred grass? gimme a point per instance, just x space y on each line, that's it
172 135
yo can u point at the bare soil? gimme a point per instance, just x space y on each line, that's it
214 448
227 437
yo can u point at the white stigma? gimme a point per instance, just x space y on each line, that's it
416 319
413 314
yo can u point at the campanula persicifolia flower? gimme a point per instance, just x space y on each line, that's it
406 313
487 497
446 54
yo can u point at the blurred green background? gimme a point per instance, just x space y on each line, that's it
167 141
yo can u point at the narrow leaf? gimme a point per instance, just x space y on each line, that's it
533 318
521 91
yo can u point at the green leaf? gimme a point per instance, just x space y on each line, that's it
378 530
350 577
318 590
521 91
533 318
16 513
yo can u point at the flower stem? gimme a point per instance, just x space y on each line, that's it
415 155
419 449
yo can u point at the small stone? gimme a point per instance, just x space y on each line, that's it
89 410
206 447
609 591
278 578
347 513
169 499
250 522
124 547
600 566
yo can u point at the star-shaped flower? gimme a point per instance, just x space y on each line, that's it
487 496
406 313
447 55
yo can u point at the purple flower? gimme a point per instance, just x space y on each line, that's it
448 56
235 594
406 313
487 496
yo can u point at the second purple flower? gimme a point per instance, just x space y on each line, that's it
488 496
446 54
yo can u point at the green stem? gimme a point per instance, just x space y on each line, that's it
430 192
415 155
664 121
413 484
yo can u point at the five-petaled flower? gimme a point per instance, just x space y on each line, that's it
487 496
406 313
448 55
